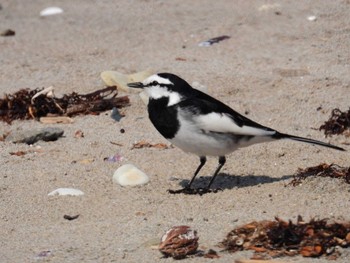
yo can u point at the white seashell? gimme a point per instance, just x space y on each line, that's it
267 7
49 11
129 175
49 92
66 191
311 18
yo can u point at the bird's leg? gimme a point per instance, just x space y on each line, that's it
201 191
222 161
202 160
188 189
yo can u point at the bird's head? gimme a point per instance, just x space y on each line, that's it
164 85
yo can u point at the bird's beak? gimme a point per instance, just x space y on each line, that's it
136 85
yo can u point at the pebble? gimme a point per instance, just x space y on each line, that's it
312 18
49 11
116 115
129 175
34 135
66 191
7 33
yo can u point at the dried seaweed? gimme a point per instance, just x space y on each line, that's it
20 105
338 123
144 144
323 170
281 238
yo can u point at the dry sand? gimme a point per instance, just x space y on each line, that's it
278 67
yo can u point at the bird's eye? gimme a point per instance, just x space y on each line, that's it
155 83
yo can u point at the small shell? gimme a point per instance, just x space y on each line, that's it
312 18
129 175
51 11
178 242
66 191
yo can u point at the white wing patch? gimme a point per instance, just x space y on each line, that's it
223 123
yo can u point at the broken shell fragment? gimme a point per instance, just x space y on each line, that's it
66 191
49 11
115 78
178 242
129 175
139 76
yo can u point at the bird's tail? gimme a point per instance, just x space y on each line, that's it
279 135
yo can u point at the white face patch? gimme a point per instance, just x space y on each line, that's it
158 79
157 91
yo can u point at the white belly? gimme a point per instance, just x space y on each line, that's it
191 139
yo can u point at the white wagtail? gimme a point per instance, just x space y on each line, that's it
199 124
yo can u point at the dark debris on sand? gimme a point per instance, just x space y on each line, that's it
20 104
284 238
323 170
338 123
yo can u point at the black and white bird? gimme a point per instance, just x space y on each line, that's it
200 124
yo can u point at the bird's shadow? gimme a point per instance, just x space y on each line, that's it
227 181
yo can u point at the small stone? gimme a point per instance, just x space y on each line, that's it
79 134
44 254
115 158
49 11
32 136
312 18
129 175
7 33
66 191
116 115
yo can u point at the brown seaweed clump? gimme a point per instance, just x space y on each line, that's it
323 170
338 123
285 238
21 105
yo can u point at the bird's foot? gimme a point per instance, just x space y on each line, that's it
192 191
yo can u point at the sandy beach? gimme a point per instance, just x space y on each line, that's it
285 65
